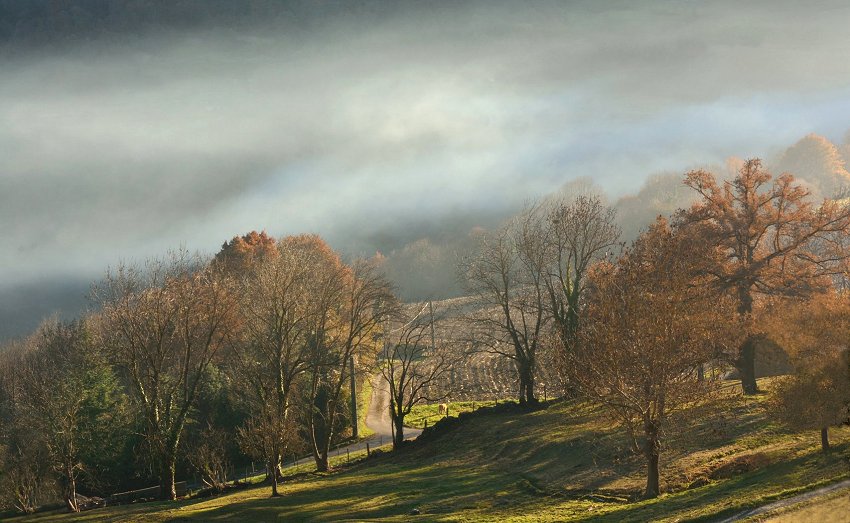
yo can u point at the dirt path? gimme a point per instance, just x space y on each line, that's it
378 417
783 503
378 421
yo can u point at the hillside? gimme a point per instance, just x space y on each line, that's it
562 463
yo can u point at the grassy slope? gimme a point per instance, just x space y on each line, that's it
563 463
430 413
832 508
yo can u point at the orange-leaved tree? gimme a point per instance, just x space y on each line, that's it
775 241
649 326
240 252
816 332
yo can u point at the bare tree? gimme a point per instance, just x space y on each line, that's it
26 474
266 435
508 278
55 389
410 365
580 231
207 455
775 241
164 323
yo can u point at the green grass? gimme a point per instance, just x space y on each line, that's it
430 413
305 466
565 463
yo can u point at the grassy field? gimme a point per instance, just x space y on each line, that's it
426 415
564 463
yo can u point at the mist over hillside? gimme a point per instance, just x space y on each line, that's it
425 267
399 128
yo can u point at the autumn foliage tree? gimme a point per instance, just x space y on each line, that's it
272 351
817 396
347 337
241 252
816 331
648 326
775 240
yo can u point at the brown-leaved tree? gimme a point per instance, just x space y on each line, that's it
775 241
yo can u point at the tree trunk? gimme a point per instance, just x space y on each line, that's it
354 421
322 460
652 483
651 450
824 439
398 437
746 361
746 365
526 384
167 489
275 475
71 493
320 446
529 391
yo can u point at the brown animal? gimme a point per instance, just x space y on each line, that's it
443 409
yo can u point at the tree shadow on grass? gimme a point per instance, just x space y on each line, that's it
738 493
382 492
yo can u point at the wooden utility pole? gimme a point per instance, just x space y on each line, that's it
354 431
431 310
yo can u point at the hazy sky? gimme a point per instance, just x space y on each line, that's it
364 124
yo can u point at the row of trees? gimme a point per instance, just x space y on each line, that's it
192 364
635 327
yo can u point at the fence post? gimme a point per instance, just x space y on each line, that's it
348 455
368 452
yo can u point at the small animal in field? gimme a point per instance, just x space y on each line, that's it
443 409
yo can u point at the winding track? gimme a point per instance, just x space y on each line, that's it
782 503
378 421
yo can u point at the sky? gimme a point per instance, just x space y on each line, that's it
379 124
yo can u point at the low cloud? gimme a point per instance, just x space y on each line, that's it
381 126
